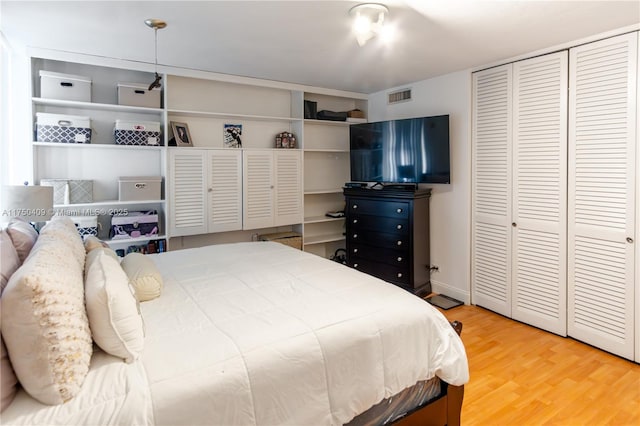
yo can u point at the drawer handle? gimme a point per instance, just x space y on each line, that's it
398 210
355 250
355 265
66 84
399 259
355 206
399 227
355 235
399 274
399 242
139 92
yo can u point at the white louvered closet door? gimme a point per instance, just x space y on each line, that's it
187 188
602 145
491 206
258 189
539 272
288 172
225 190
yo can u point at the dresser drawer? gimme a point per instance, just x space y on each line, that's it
378 239
391 225
378 208
393 274
377 254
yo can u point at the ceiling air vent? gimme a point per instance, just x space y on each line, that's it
400 96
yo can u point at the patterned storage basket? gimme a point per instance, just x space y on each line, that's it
63 128
137 133
86 225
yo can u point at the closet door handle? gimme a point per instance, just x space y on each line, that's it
514 224
629 240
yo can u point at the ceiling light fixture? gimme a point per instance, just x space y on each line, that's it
368 21
156 24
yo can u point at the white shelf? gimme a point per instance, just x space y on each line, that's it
131 241
204 114
323 191
346 151
97 146
320 219
321 239
328 122
96 106
108 203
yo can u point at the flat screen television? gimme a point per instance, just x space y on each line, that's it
412 150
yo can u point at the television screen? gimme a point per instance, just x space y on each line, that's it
412 150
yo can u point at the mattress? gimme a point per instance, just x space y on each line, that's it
262 334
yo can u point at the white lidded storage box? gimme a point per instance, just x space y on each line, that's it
139 188
137 132
62 128
55 85
138 94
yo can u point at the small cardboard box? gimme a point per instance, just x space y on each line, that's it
139 188
355 113
55 85
138 94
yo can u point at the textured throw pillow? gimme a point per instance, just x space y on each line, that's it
114 318
92 242
9 260
23 236
44 322
9 382
62 230
143 276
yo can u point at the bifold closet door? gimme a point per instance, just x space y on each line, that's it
224 190
539 218
186 182
602 149
491 205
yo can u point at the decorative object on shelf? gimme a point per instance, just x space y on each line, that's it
62 128
368 22
231 135
285 140
181 134
156 24
30 203
137 132
310 109
134 225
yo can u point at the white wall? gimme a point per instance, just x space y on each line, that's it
450 207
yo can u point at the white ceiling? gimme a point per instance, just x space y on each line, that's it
310 42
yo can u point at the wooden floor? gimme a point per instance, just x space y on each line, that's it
521 375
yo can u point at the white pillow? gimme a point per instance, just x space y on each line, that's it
9 260
143 275
114 318
44 322
23 236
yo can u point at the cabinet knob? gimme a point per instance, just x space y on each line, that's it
399 259
513 224
355 265
355 235
355 220
210 190
399 242
355 250
399 227
629 240
355 206
398 210
399 274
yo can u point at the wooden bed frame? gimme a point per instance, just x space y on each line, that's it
445 410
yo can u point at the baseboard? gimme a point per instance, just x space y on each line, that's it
456 293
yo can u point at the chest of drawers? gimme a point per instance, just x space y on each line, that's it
387 235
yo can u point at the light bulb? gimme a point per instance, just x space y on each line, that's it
362 24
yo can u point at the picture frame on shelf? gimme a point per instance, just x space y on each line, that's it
181 134
231 135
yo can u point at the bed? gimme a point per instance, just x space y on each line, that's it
262 334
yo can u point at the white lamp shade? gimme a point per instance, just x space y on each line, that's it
31 203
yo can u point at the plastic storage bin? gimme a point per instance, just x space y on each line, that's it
62 128
55 85
139 188
138 94
137 132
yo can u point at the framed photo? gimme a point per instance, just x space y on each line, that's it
232 135
181 134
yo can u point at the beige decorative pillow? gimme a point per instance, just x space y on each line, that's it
23 236
114 318
9 260
9 382
143 275
44 322
92 242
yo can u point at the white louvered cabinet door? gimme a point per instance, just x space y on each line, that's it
224 190
602 148
186 178
258 189
539 217
491 205
288 185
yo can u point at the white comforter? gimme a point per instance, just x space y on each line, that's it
260 333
